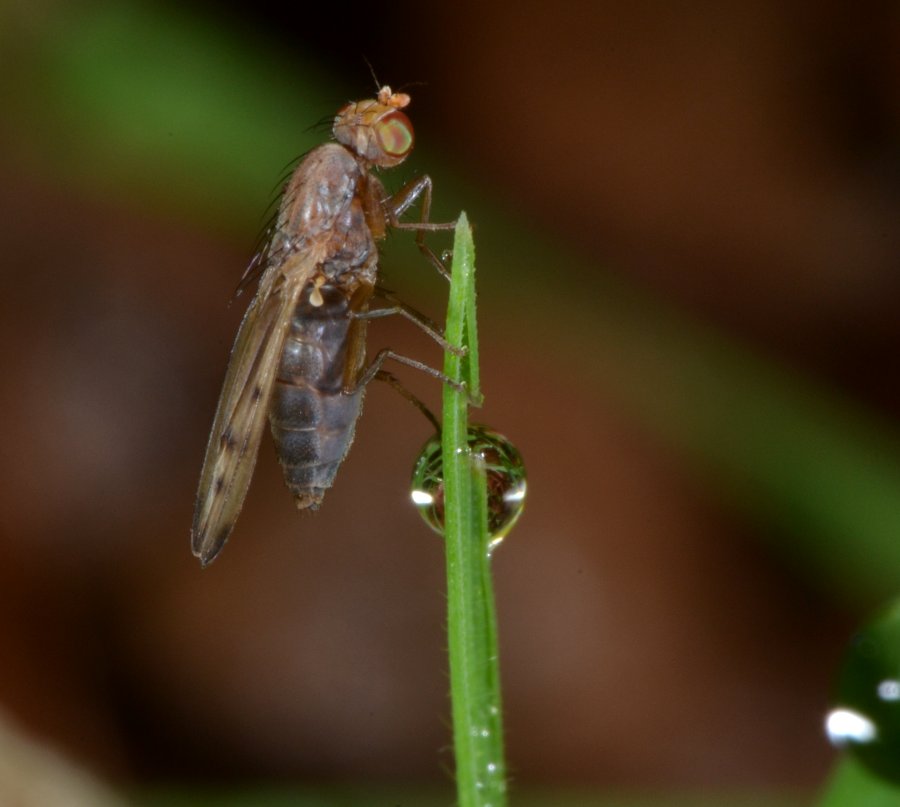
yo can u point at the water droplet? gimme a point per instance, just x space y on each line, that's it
866 717
505 480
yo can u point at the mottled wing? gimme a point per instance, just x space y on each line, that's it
241 415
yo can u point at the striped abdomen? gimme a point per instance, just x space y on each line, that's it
312 418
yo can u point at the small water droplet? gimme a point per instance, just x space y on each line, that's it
506 481
866 717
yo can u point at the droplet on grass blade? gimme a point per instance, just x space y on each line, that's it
865 719
506 482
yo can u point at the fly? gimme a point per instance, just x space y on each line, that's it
299 355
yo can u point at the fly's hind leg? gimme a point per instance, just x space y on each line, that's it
374 371
390 378
401 201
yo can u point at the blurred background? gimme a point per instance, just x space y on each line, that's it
688 253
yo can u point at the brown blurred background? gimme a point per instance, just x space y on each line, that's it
688 244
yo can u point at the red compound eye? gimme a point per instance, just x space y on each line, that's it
395 134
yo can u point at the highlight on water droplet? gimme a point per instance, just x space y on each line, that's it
845 727
506 481
865 719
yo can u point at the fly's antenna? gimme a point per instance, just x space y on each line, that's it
372 73
412 84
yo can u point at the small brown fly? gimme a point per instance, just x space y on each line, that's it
299 354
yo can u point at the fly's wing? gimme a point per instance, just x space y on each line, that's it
241 414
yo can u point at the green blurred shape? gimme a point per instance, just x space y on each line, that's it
132 97
851 785
821 470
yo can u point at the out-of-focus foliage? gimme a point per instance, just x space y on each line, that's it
150 119
164 106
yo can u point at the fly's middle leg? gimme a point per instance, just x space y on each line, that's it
401 201
414 316
383 355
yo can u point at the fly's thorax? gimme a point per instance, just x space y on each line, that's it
324 216
319 192
350 251
375 129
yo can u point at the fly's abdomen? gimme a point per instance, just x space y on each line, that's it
313 420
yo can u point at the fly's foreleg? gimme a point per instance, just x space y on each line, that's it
401 201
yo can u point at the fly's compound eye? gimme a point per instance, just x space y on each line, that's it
395 134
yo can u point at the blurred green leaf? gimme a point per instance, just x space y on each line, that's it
160 102
852 785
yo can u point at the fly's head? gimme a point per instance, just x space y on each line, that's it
375 129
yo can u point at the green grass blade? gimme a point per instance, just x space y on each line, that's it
471 623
